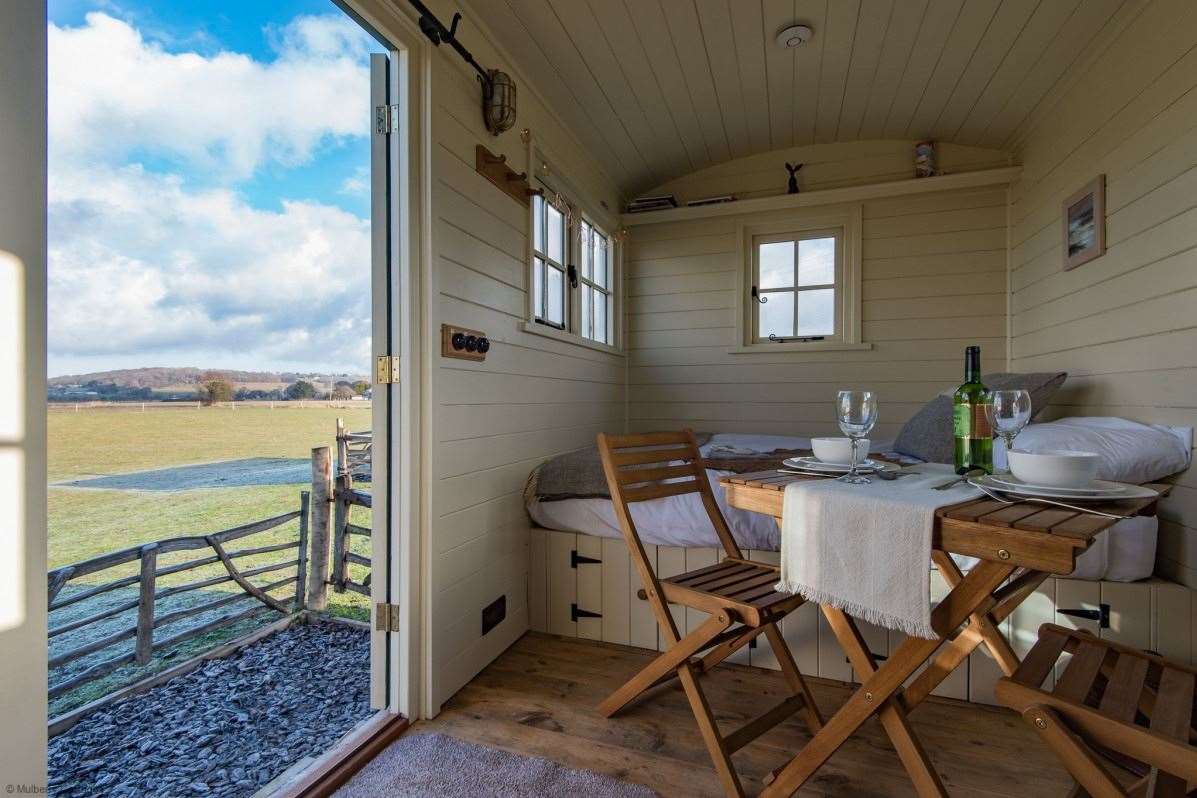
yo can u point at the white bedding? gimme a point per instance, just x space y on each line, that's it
1124 554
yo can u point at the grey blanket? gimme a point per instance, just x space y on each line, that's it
575 475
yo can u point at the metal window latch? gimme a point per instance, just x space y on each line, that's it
386 617
571 272
1101 615
576 559
575 613
756 295
386 119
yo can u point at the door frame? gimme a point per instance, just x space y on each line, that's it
410 241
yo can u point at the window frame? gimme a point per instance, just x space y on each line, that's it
836 284
556 186
544 204
846 223
584 282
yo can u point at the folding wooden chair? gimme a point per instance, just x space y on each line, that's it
737 593
1133 709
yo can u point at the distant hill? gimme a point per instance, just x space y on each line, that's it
158 377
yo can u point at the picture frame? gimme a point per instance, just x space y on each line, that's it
1083 218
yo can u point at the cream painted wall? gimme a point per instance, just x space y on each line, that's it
532 398
934 281
1125 325
22 392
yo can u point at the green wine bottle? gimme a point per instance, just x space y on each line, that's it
974 438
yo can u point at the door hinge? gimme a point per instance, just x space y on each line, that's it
386 370
386 118
386 617
1101 615
575 613
576 559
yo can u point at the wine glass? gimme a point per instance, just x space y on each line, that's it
857 413
1008 412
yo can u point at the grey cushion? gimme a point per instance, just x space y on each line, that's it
928 434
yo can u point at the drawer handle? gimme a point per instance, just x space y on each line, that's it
1101 615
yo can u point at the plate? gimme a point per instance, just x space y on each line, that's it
1126 492
1096 488
813 464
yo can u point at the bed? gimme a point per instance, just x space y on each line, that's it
1126 553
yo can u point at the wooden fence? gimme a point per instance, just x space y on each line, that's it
345 497
142 633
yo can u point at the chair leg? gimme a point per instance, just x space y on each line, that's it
789 668
1091 775
662 668
709 730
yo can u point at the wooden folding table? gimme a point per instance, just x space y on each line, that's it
1019 545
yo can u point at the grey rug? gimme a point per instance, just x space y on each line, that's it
434 764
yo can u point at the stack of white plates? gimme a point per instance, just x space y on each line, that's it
811 463
1097 490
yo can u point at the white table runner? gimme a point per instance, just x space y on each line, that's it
866 549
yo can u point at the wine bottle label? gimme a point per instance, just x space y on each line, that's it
970 421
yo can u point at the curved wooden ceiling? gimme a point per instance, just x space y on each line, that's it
661 88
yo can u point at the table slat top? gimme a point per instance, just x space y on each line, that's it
1028 516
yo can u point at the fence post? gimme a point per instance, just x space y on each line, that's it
320 527
145 603
301 575
340 517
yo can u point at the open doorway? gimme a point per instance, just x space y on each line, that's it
219 437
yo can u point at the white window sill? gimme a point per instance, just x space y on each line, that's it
568 337
800 346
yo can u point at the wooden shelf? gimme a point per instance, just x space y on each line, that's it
831 196
495 169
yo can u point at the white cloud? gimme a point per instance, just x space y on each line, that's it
358 184
113 94
140 264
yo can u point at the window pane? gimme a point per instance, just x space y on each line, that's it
600 317
587 232
556 235
599 247
816 261
538 288
586 303
555 306
538 223
777 264
777 315
816 312
610 339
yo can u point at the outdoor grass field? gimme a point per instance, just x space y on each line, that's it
87 522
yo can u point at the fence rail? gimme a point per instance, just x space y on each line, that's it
142 633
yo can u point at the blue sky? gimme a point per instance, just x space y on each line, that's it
208 185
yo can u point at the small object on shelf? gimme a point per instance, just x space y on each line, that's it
495 169
657 203
792 187
463 344
711 200
924 159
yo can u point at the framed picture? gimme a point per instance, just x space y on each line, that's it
1085 224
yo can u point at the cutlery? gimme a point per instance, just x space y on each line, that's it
890 476
951 483
998 498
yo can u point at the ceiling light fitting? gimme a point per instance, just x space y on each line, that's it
793 36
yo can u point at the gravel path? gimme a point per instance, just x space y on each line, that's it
226 728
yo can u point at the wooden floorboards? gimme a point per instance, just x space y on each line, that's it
538 698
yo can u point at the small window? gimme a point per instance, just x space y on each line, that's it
596 298
797 287
550 247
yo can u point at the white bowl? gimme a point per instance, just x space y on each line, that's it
1056 469
838 450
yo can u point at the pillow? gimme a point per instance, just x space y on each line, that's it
1129 451
928 434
